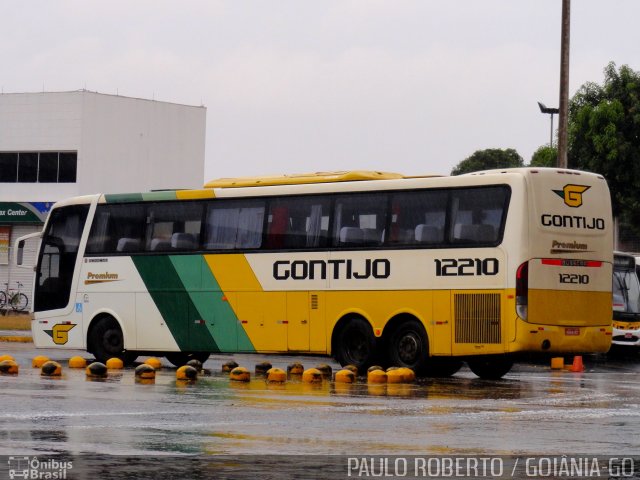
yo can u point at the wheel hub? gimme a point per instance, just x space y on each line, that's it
408 348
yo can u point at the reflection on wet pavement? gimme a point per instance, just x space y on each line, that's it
532 410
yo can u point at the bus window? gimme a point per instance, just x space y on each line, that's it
418 218
174 226
476 215
299 223
117 228
234 225
58 257
360 220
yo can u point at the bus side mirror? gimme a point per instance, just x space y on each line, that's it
18 249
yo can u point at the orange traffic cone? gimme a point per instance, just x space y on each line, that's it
577 364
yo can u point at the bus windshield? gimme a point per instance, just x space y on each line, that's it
626 291
57 261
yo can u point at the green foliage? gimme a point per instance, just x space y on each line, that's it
604 136
488 159
545 156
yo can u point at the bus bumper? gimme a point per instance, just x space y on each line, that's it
535 338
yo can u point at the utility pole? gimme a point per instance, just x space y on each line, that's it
563 121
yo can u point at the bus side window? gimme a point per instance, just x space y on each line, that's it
360 220
477 214
174 226
297 223
418 217
234 225
113 224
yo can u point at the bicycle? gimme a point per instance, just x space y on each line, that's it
15 299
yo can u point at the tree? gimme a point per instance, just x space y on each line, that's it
604 126
488 159
544 156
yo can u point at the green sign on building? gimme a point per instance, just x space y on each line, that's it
24 212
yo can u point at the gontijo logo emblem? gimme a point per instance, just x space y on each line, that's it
60 332
572 194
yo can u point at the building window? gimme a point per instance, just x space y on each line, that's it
8 167
67 167
27 167
38 167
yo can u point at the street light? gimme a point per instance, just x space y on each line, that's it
550 111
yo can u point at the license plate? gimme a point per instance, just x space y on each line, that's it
572 331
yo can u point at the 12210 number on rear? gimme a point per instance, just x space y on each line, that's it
573 278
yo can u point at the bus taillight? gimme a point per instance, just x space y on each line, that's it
522 290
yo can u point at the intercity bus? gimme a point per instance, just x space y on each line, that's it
370 267
626 303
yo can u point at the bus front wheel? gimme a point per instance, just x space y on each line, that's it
408 347
355 344
490 368
106 341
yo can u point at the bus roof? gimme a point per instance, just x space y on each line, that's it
306 178
319 182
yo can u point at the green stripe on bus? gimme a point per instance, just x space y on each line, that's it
210 301
174 302
155 196
123 197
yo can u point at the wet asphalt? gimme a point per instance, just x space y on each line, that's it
533 410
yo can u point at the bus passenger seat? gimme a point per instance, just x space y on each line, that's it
159 245
371 236
428 234
478 233
465 232
183 241
486 233
128 245
351 236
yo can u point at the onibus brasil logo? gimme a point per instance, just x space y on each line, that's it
572 194
26 467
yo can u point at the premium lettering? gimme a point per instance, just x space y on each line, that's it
102 276
379 268
93 278
572 245
572 221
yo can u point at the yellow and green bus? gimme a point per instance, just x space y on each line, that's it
369 267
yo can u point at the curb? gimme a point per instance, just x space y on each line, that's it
16 338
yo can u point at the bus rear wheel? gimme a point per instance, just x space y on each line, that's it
181 358
355 344
106 341
408 347
490 368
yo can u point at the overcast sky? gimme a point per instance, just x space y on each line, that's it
412 86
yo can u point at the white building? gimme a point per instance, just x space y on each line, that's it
56 145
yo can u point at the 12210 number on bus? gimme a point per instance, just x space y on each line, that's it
573 278
452 267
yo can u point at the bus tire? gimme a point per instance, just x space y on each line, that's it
106 341
490 367
408 347
443 367
179 359
355 344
